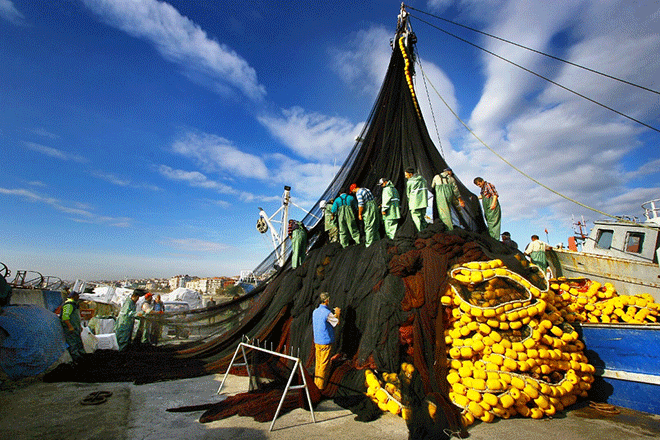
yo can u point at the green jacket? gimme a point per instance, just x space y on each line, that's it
71 313
126 317
330 222
417 192
445 187
391 202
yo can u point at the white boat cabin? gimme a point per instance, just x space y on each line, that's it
638 241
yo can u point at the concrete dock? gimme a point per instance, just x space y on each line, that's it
48 411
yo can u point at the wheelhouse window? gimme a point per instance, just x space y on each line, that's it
604 238
634 242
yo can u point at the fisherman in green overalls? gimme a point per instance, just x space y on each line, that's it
367 213
491 205
344 210
390 207
330 221
536 251
417 193
126 320
70 318
446 195
298 234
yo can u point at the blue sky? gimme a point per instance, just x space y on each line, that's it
139 137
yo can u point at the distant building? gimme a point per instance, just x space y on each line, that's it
179 281
215 285
201 285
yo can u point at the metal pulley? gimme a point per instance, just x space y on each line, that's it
262 225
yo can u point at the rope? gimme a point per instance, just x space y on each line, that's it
537 51
428 96
542 77
620 219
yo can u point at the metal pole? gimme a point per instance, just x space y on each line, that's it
293 371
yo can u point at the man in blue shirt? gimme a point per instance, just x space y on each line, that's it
324 322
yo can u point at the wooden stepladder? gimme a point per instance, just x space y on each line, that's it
297 367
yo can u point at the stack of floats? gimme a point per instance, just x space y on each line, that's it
510 349
587 301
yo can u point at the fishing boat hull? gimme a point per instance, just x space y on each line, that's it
629 277
627 361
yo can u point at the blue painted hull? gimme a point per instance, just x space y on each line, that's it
627 361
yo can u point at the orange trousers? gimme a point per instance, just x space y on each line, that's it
322 365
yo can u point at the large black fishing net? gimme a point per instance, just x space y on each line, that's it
389 293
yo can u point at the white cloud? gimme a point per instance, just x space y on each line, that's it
112 178
439 5
196 245
44 133
308 180
79 214
440 122
630 203
214 153
363 63
646 169
195 179
221 203
122 181
572 145
313 135
54 152
9 12
181 41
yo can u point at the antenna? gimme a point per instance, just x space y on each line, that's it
278 238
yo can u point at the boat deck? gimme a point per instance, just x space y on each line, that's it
52 411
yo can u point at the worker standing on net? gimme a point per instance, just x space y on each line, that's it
344 210
144 326
536 251
70 318
367 213
491 205
126 320
390 207
417 194
330 222
446 196
324 322
298 235
506 239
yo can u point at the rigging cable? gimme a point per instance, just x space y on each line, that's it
537 51
540 76
428 96
518 169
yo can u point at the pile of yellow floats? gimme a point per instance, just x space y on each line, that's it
386 393
590 302
510 349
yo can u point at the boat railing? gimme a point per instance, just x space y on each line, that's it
652 210
28 279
